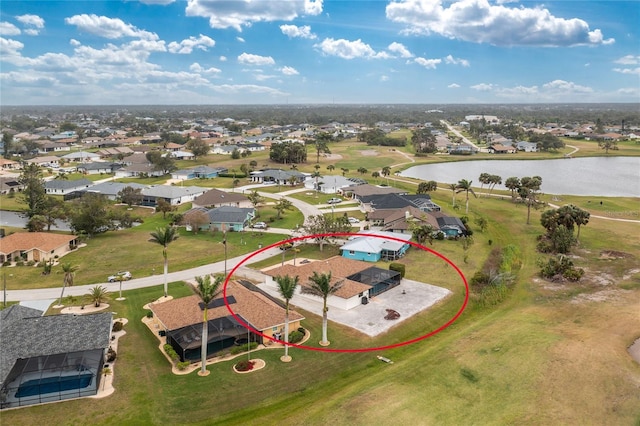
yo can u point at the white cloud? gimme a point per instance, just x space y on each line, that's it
8 29
240 39
247 88
157 2
628 70
74 42
289 70
293 31
483 87
628 60
346 49
250 59
400 49
9 48
186 46
566 87
428 63
197 68
384 78
223 59
106 27
236 14
481 22
454 86
31 21
456 61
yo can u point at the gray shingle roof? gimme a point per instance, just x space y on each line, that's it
229 214
67 184
24 333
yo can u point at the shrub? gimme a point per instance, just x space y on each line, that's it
182 365
20 263
6 263
244 365
171 352
560 267
117 326
243 348
398 267
31 263
111 355
295 336
149 314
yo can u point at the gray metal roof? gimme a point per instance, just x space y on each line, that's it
229 214
67 184
113 188
24 333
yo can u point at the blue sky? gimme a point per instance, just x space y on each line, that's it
314 51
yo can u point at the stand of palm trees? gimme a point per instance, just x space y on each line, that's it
67 280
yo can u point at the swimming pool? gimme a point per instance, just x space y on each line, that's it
53 384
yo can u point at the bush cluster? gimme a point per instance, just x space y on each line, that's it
243 348
182 365
295 336
560 268
171 352
117 326
398 267
245 365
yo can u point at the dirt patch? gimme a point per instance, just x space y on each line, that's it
630 273
369 153
613 254
600 296
634 350
333 156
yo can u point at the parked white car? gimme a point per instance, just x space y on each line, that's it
354 220
334 200
259 225
126 276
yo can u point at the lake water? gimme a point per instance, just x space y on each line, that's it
597 176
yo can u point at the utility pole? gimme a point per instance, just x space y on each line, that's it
224 241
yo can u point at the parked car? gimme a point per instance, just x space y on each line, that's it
126 276
259 225
354 220
334 200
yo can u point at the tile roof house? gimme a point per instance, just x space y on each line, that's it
359 279
36 246
181 320
50 358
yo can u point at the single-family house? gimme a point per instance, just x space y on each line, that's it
200 172
9 164
403 220
64 187
358 280
96 168
217 198
47 161
376 246
180 320
278 176
225 218
110 190
182 155
10 185
451 226
501 149
81 157
51 358
331 184
527 146
36 246
358 190
174 195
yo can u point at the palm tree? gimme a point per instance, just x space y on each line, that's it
67 280
98 294
286 287
207 291
331 167
465 186
321 286
453 187
164 237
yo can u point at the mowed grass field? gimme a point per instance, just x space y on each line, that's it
550 354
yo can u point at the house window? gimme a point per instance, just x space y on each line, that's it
351 252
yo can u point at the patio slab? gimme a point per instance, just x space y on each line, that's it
408 299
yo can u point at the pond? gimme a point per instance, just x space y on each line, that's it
597 176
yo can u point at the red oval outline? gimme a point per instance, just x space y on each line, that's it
347 234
